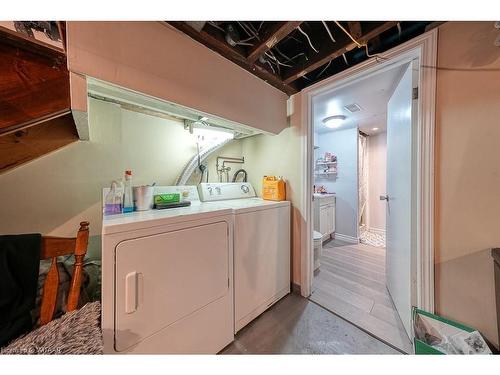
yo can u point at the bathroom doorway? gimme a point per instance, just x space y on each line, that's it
350 277
420 292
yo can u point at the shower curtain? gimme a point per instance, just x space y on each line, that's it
362 181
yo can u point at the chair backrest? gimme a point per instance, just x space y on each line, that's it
53 247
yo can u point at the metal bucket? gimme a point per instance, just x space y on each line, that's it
143 197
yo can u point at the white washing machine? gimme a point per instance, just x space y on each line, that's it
167 279
261 247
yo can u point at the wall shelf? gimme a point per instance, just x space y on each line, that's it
325 168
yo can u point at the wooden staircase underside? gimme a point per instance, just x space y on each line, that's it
35 108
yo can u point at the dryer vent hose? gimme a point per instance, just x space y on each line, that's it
195 161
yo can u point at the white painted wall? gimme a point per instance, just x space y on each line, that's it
377 159
280 155
52 194
344 144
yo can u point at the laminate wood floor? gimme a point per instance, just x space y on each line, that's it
351 283
295 325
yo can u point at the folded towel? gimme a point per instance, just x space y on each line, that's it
19 263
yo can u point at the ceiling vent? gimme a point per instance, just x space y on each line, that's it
353 107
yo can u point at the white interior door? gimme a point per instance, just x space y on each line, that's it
401 115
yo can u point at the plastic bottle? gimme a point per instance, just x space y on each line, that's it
128 200
113 200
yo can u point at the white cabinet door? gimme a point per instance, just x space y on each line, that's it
323 220
331 218
327 219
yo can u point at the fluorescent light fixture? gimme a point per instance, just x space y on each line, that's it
374 129
334 121
206 136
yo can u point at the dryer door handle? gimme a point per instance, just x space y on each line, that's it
131 281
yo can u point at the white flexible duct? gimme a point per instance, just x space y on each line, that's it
192 165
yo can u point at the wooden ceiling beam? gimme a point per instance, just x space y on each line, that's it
355 29
324 56
270 37
230 53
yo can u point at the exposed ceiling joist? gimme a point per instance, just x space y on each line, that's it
324 56
272 36
355 29
283 53
234 55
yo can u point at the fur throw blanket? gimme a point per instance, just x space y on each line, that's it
76 332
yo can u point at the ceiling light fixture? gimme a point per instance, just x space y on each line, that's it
374 129
334 121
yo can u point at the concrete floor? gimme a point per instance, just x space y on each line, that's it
296 325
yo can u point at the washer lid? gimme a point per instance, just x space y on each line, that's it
252 204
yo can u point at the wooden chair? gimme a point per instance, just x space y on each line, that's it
53 247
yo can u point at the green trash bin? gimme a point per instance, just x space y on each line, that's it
437 335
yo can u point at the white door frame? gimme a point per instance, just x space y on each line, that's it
423 47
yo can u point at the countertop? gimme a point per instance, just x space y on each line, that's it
319 195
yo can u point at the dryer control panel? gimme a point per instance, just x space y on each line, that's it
217 191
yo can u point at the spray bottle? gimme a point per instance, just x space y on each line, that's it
128 200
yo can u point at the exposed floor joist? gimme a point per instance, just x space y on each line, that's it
355 29
272 36
293 55
324 56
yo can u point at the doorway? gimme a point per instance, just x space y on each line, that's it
372 157
350 271
417 234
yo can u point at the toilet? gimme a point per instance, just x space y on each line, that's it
318 248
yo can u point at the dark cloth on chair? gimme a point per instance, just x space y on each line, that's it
19 263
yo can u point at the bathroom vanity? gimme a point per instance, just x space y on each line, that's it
324 214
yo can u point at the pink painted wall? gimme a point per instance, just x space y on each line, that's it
156 59
467 173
